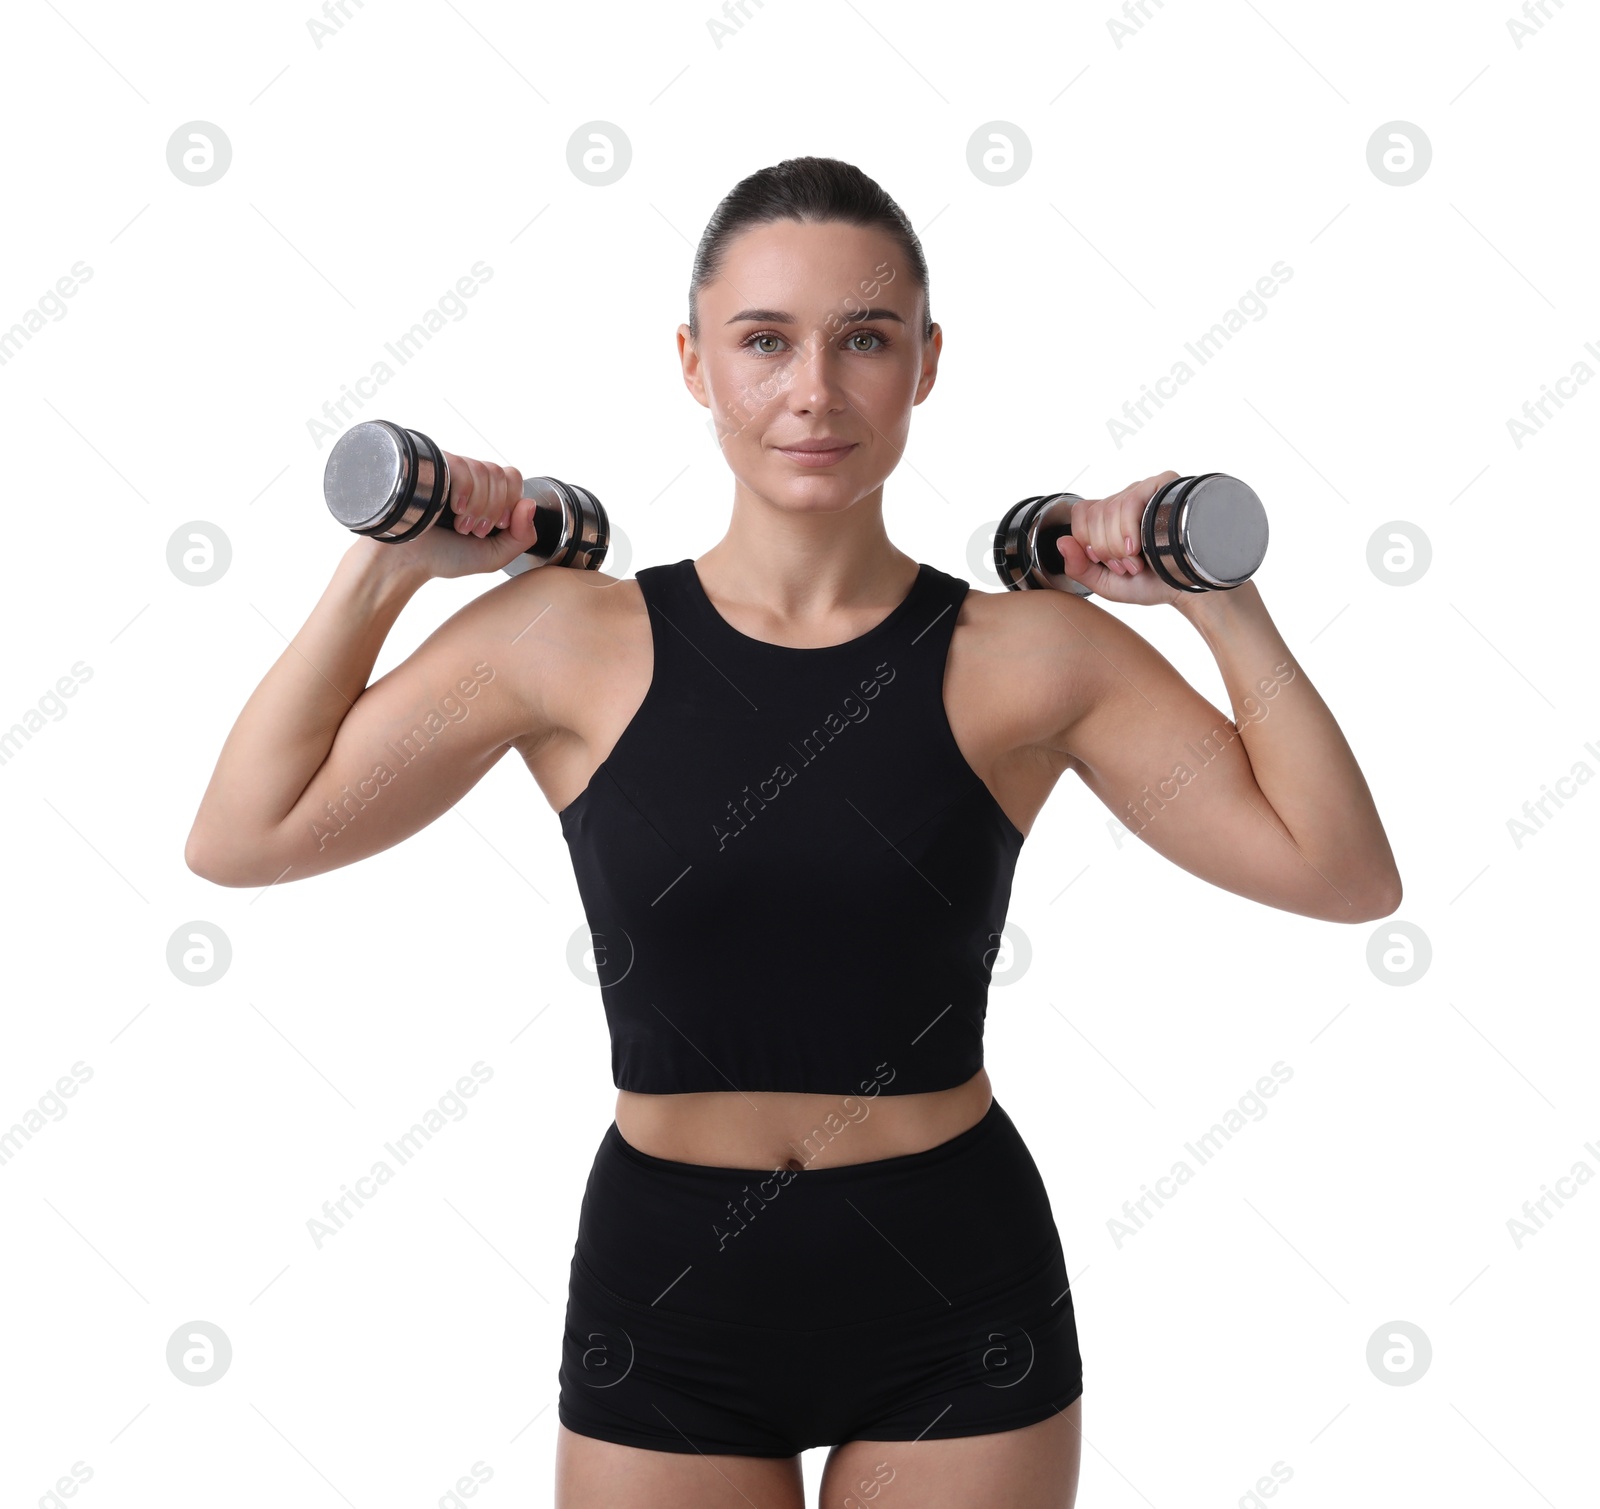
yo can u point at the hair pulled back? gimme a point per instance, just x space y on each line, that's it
804 189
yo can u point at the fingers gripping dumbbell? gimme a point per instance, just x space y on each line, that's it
1206 533
391 483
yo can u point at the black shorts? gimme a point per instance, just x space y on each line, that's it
761 1312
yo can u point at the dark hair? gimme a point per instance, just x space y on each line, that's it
805 189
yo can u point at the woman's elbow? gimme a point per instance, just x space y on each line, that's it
1381 901
224 864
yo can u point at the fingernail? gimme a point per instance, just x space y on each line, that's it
1088 550
1127 543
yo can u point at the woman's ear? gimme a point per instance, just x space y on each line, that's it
930 363
690 358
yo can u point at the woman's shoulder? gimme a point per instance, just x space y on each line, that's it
558 631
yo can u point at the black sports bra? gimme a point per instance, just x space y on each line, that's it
792 877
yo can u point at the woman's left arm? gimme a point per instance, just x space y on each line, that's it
1304 769
1270 804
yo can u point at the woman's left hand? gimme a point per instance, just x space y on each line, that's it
1104 550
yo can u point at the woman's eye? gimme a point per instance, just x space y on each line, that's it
754 342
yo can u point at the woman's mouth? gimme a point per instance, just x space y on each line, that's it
818 458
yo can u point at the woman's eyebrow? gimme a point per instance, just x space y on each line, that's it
783 317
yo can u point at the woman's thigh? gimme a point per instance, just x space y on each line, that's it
595 1474
1034 1467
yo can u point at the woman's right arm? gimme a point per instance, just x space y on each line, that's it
320 769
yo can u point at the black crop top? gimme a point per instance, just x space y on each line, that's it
792 877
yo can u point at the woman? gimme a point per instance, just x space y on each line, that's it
794 775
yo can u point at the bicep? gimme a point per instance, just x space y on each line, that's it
1169 765
412 744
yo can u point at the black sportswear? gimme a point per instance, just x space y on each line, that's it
792 877
762 1312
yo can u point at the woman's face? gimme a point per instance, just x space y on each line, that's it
812 332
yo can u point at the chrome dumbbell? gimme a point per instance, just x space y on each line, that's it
391 483
1206 533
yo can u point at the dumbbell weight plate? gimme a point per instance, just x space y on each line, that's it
1025 551
1205 533
385 481
570 527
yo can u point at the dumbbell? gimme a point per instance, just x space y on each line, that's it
391 483
1199 534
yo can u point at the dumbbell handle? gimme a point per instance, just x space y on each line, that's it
391 483
1199 534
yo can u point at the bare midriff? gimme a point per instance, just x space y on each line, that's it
772 1130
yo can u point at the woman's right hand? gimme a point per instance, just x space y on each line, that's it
483 496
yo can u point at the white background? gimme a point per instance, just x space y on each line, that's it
1167 174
